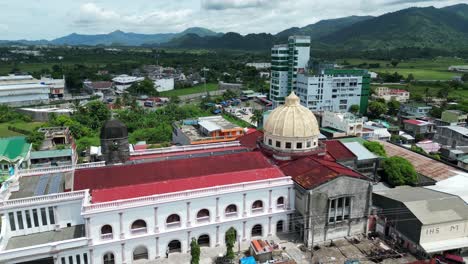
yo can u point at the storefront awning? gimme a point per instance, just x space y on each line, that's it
437 246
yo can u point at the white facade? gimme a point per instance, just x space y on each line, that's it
122 82
329 92
392 94
164 84
346 122
286 62
198 212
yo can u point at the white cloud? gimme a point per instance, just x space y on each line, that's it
95 17
233 4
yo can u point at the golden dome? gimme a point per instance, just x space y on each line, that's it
292 120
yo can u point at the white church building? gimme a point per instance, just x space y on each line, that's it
153 202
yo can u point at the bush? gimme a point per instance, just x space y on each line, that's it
376 148
399 171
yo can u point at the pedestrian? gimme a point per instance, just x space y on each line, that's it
167 253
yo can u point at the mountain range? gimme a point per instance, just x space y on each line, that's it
438 28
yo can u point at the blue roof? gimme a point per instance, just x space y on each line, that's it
248 260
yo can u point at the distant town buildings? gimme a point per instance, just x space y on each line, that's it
259 65
326 89
452 136
453 118
418 127
350 124
14 153
22 90
122 82
391 94
412 110
458 68
205 130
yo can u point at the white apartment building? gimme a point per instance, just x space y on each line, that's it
392 94
21 90
164 84
286 62
124 81
333 91
346 122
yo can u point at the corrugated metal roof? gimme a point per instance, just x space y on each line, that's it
429 206
209 126
338 151
360 151
43 154
142 173
311 172
13 148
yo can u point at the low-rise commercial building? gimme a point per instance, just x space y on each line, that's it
205 130
346 122
391 94
418 127
415 110
422 220
452 136
14 153
454 118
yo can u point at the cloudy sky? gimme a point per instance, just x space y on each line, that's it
48 19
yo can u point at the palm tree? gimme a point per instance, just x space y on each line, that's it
256 117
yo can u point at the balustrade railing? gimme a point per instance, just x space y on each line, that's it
56 197
185 148
159 198
140 230
174 225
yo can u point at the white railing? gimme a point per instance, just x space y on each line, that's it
185 148
280 206
107 236
230 214
173 224
140 230
257 210
55 169
51 198
184 195
203 219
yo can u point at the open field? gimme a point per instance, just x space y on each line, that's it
192 90
422 69
4 132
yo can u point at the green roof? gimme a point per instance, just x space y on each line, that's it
352 139
44 154
463 158
13 148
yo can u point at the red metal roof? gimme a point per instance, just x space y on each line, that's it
126 175
338 150
311 172
177 185
250 140
414 122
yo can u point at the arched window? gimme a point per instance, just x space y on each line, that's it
280 202
257 206
231 210
174 246
140 252
173 220
203 215
204 241
106 232
138 227
257 230
108 258
279 226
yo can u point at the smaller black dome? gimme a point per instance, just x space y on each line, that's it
114 129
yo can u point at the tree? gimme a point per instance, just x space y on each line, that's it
174 99
230 240
354 109
393 107
410 78
376 109
145 87
118 103
399 171
256 117
465 77
376 148
194 252
394 63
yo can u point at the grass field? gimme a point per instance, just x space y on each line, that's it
192 90
422 69
4 132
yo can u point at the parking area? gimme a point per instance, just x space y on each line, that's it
337 251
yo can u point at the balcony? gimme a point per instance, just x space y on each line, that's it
203 219
257 210
173 225
108 236
280 206
230 214
137 231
